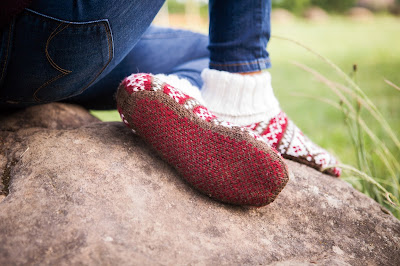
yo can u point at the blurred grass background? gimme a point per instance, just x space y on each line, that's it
369 41
374 46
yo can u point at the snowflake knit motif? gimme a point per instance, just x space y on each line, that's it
282 134
226 162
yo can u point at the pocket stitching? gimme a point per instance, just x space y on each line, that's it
47 50
64 72
110 55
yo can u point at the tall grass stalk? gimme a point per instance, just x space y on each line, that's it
351 112
378 177
392 84
371 107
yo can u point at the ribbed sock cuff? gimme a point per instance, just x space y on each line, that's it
241 99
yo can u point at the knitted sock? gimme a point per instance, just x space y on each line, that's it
226 162
248 100
183 85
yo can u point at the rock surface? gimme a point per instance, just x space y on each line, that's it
95 194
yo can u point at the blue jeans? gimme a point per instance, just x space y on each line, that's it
239 33
79 51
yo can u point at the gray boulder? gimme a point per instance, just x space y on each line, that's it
84 192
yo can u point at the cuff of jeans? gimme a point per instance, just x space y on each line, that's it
241 66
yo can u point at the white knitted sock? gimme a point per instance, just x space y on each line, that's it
182 84
240 99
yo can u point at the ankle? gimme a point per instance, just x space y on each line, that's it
242 99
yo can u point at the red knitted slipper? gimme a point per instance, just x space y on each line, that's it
226 162
282 134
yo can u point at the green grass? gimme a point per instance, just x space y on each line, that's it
374 46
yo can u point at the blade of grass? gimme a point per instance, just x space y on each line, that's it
389 196
374 111
352 113
392 84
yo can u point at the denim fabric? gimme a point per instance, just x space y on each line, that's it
58 49
160 50
79 51
239 33
51 59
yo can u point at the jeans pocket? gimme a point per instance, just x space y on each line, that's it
53 59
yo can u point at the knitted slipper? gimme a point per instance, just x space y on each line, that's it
282 134
226 162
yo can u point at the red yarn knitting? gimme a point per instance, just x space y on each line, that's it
226 162
282 134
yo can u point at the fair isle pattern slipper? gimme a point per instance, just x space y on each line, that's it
282 134
226 162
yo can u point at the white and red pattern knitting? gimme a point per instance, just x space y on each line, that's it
282 134
248 100
141 82
224 161
273 126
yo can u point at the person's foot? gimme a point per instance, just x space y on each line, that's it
248 100
226 162
282 134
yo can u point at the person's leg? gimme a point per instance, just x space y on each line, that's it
58 49
226 162
239 33
160 50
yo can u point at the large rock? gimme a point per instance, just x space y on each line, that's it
51 116
97 195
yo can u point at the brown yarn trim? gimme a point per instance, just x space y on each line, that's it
127 102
